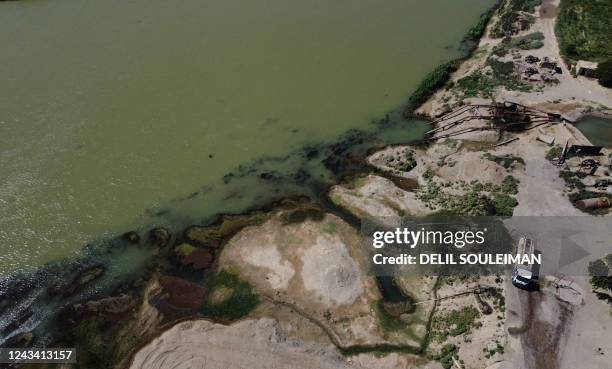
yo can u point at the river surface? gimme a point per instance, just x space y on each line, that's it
118 114
597 130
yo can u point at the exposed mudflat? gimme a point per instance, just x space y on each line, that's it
316 266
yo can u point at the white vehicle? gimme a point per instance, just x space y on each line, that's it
523 275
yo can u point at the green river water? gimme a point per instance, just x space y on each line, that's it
119 114
597 130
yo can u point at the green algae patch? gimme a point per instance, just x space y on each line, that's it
184 249
301 213
213 236
238 296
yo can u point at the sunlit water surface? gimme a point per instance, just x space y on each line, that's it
112 113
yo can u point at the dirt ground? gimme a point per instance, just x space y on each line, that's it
377 197
252 343
571 96
321 269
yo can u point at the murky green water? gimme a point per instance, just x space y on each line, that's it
112 113
598 131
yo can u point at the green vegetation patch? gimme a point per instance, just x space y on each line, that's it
528 42
478 198
514 17
477 30
599 270
442 73
504 204
408 163
584 30
241 301
184 249
311 211
498 349
508 161
428 86
388 322
483 84
445 356
604 73
531 41
454 323
405 163
230 225
510 185
573 179
584 194
476 84
554 153
499 299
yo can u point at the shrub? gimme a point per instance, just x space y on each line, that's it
583 30
513 17
554 152
454 323
598 268
604 73
572 179
600 273
476 84
510 185
504 204
529 42
445 357
507 161
433 81
428 174
477 30
409 163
